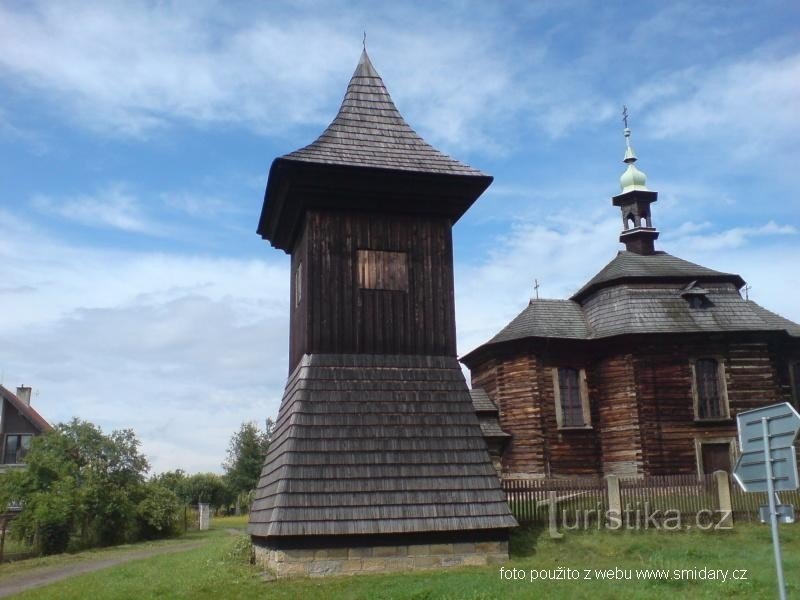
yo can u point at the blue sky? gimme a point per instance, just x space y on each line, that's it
135 140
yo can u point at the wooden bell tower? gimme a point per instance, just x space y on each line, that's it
376 441
366 212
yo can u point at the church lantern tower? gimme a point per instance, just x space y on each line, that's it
377 451
638 233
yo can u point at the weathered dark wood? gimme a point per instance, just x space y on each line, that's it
339 314
642 407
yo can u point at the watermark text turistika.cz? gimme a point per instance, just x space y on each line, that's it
638 517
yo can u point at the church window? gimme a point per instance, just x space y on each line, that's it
381 270
794 378
571 397
709 390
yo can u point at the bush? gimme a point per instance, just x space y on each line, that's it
159 513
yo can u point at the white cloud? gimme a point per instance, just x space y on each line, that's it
180 348
752 100
698 236
113 206
128 69
564 253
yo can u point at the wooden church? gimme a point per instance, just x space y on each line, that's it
377 460
643 370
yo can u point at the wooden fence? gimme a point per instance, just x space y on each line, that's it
745 505
687 495
529 498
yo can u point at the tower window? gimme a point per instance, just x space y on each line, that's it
298 284
571 396
709 390
382 270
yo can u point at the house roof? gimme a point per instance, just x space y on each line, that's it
658 266
29 413
369 131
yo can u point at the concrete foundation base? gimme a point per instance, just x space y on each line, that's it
322 562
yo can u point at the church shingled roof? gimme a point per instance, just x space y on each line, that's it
369 131
546 318
660 265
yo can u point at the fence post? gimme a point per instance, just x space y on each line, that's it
614 497
724 495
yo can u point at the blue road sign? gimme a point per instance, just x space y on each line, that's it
750 471
783 422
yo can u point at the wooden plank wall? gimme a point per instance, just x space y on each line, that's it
298 312
641 403
513 386
612 386
340 317
664 386
569 452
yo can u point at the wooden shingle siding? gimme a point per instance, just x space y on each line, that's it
377 444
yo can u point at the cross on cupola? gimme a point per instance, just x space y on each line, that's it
638 233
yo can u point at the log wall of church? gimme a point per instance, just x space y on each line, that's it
512 384
670 431
612 387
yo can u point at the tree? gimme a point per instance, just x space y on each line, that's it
245 458
209 488
82 487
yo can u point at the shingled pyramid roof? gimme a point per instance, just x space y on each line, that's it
369 131
659 265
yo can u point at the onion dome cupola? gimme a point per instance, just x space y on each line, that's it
638 233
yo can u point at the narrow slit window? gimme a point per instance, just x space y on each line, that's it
709 394
298 284
382 270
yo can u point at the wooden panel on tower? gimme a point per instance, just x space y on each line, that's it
376 283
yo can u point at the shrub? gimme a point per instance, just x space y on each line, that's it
159 512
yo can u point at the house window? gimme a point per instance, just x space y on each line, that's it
298 284
572 398
710 394
16 448
381 270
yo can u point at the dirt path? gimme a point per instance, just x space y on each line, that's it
45 576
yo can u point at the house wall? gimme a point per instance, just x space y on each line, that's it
14 422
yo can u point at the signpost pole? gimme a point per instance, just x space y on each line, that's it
773 511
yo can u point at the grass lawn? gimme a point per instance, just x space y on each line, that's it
215 571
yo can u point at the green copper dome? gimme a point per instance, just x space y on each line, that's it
632 179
